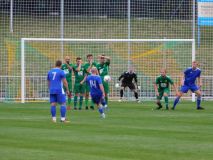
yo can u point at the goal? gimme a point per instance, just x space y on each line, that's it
145 56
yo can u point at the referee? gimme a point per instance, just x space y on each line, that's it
127 81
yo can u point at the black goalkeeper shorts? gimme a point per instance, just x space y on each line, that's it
130 85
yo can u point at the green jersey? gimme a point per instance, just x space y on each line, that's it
163 82
67 71
103 69
87 65
79 75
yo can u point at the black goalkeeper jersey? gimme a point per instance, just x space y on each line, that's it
128 77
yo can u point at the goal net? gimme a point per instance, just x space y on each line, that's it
145 56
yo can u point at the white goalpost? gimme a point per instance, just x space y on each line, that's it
146 56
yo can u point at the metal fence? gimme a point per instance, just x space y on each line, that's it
39 90
100 19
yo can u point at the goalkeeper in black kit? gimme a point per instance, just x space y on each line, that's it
127 81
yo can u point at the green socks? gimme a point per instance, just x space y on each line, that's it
69 101
81 102
75 101
167 102
106 99
86 101
92 103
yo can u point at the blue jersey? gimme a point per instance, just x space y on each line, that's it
94 81
55 77
191 76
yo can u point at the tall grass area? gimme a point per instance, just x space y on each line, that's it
130 131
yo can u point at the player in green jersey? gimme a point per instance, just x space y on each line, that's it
161 86
103 69
67 68
90 63
79 86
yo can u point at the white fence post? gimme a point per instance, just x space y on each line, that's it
22 71
193 59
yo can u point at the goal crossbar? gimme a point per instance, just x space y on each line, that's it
106 40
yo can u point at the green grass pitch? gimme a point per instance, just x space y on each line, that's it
130 131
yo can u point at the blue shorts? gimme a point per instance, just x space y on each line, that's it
58 98
185 88
97 98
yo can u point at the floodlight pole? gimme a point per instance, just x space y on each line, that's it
62 26
129 37
129 32
193 37
193 32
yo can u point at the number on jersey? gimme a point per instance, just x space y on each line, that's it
54 74
93 84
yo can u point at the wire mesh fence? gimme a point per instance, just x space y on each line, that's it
103 19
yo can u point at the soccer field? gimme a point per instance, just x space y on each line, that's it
130 131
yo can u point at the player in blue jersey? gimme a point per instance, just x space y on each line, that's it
56 79
96 90
188 82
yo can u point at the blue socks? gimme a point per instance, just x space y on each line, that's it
100 109
198 101
63 111
103 102
53 111
176 102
